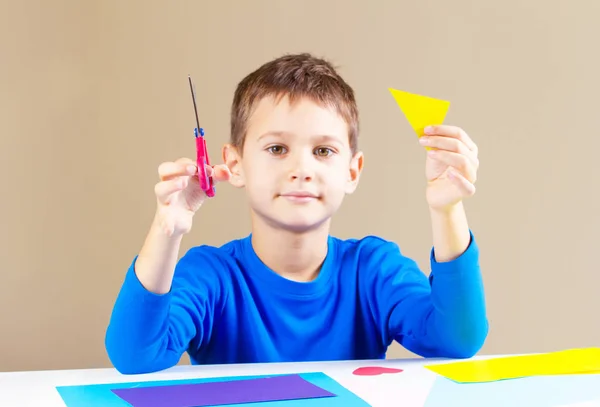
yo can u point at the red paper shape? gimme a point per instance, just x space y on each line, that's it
375 371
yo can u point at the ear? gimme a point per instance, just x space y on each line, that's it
356 167
233 161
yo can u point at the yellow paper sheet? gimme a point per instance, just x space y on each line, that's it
421 111
572 361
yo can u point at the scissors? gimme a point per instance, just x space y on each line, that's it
202 160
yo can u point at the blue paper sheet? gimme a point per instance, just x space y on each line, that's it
537 391
101 395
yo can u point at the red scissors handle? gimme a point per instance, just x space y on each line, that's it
202 160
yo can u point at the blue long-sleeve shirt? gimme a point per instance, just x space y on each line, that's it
226 306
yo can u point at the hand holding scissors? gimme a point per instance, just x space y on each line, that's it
178 199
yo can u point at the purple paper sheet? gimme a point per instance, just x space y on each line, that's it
285 387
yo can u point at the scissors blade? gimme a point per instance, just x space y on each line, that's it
194 100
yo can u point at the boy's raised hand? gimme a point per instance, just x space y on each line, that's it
179 195
450 167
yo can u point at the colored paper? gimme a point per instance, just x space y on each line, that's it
102 395
572 361
285 387
375 371
421 111
542 391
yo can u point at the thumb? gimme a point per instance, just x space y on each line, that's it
219 172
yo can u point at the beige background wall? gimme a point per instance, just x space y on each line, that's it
93 96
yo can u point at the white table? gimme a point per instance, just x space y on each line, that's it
410 388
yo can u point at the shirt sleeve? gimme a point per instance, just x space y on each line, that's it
440 316
149 332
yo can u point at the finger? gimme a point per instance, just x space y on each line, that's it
185 161
164 190
449 144
170 170
220 173
464 185
452 131
458 161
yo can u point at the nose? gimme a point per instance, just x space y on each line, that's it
301 168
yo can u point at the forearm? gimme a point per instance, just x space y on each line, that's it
156 261
138 338
457 292
450 230
452 319
459 318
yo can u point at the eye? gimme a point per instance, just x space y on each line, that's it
276 150
324 151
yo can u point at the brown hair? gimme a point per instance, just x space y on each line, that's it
297 76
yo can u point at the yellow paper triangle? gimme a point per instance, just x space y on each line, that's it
421 111
572 361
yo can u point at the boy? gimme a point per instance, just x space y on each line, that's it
289 291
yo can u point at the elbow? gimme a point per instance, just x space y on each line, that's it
128 360
468 343
463 351
117 358
122 358
126 368
124 365
127 365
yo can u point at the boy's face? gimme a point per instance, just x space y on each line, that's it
296 165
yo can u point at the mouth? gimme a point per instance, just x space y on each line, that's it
300 196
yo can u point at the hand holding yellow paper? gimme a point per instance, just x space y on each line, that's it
421 111
572 361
